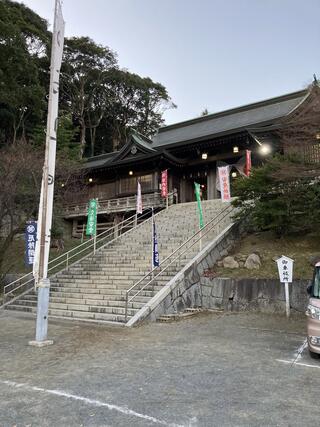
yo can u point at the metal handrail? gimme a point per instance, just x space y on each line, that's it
151 273
129 201
68 255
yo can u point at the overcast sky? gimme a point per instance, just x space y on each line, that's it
213 54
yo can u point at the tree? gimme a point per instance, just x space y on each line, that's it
67 146
282 196
23 54
20 175
100 101
137 103
300 133
85 64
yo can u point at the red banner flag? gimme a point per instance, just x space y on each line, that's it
247 168
164 183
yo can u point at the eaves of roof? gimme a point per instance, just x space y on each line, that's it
229 121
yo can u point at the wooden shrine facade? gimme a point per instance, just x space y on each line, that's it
191 151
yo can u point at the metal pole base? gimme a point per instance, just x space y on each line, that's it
42 315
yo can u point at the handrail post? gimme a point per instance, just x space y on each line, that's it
94 243
67 259
126 308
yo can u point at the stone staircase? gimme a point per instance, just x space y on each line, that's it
94 288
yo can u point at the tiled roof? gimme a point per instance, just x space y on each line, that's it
228 121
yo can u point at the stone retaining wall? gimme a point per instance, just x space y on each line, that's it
192 287
265 295
184 290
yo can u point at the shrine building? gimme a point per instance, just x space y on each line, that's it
191 151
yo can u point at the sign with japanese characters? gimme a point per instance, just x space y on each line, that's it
164 183
224 181
30 237
139 199
92 218
155 250
198 198
285 269
247 168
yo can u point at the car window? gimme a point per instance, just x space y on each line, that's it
316 283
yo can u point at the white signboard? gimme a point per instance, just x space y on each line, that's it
285 269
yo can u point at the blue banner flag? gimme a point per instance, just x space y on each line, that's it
155 253
30 237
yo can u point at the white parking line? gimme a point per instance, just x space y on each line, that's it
298 353
98 403
298 363
297 356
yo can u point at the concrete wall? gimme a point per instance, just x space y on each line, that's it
184 290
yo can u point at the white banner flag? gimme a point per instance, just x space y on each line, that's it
47 187
139 199
224 183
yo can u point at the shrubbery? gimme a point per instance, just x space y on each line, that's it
282 195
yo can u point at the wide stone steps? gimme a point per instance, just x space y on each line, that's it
96 299
92 293
76 315
94 289
107 307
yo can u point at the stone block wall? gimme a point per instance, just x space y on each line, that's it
192 288
265 295
184 290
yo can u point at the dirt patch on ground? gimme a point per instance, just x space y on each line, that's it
299 248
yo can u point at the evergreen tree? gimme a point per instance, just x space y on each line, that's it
282 196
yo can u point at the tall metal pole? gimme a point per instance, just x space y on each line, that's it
47 187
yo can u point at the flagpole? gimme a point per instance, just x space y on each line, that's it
152 243
42 282
198 198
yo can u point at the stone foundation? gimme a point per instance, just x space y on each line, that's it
265 295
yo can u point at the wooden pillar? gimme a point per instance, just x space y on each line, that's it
117 186
182 197
156 180
170 183
211 183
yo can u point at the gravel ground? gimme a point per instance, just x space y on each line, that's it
209 370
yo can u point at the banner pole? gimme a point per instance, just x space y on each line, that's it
47 186
198 198
152 244
82 235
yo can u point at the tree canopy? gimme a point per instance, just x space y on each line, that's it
282 195
98 99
